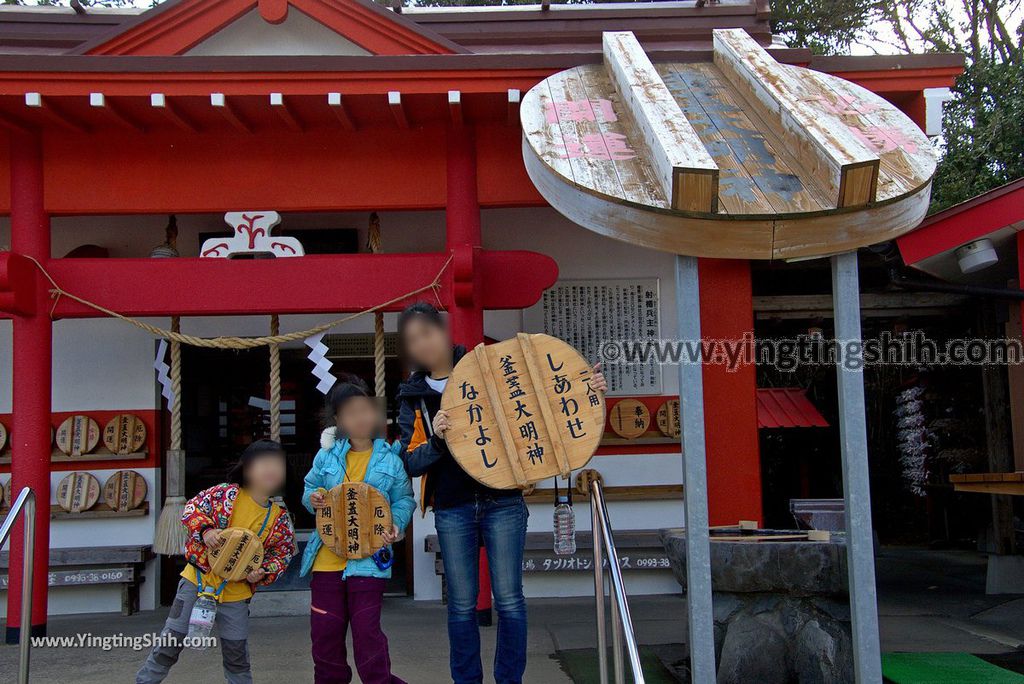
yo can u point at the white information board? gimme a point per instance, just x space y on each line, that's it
588 313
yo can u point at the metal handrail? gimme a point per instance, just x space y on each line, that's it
25 503
622 621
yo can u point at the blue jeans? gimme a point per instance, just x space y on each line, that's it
501 525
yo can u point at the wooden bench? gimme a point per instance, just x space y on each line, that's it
638 550
96 565
989 483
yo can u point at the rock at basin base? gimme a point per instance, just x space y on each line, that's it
780 609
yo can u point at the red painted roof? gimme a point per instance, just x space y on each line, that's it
964 222
787 408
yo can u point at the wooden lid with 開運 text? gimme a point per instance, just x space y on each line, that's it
240 554
668 418
78 492
78 435
355 520
522 410
124 434
125 490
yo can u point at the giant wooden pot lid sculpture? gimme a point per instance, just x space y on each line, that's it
741 157
521 411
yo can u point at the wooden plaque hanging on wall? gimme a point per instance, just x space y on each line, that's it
124 434
78 435
240 554
125 490
3 437
355 520
78 492
522 410
668 418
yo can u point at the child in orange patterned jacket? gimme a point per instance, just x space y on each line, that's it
243 501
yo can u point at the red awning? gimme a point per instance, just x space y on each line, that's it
787 408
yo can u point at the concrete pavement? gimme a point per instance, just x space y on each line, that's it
928 601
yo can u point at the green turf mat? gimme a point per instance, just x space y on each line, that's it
582 667
944 668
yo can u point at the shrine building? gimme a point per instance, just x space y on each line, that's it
389 143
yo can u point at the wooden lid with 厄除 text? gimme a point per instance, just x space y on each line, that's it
522 410
355 520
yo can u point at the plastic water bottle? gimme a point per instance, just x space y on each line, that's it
565 527
200 622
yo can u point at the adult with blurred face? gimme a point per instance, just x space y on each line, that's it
466 513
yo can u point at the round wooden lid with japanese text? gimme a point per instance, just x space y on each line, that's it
522 410
3 437
240 554
78 435
629 418
125 490
668 418
78 492
355 520
124 434
736 157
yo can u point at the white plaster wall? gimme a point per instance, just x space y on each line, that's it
299 34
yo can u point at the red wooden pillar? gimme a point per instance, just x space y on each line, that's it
730 395
463 239
30 429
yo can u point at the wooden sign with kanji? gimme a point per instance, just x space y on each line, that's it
355 520
78 492
522 410
240 554
78 435
125 490
124 434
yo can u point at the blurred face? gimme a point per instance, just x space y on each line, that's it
427 344
266 473
359 418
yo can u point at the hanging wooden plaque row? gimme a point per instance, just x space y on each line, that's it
240 554
355 520
522 411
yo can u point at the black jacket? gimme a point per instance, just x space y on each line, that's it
446 484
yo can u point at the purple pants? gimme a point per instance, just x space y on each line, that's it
336 604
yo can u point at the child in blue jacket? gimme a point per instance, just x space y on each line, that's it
351 592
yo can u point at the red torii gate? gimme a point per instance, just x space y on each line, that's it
476 279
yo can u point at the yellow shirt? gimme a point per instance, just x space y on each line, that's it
249 514
356 464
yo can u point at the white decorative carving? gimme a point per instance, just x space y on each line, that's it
252 237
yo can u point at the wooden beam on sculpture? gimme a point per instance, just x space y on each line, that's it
824 145
686 171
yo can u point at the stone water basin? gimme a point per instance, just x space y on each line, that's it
781 606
